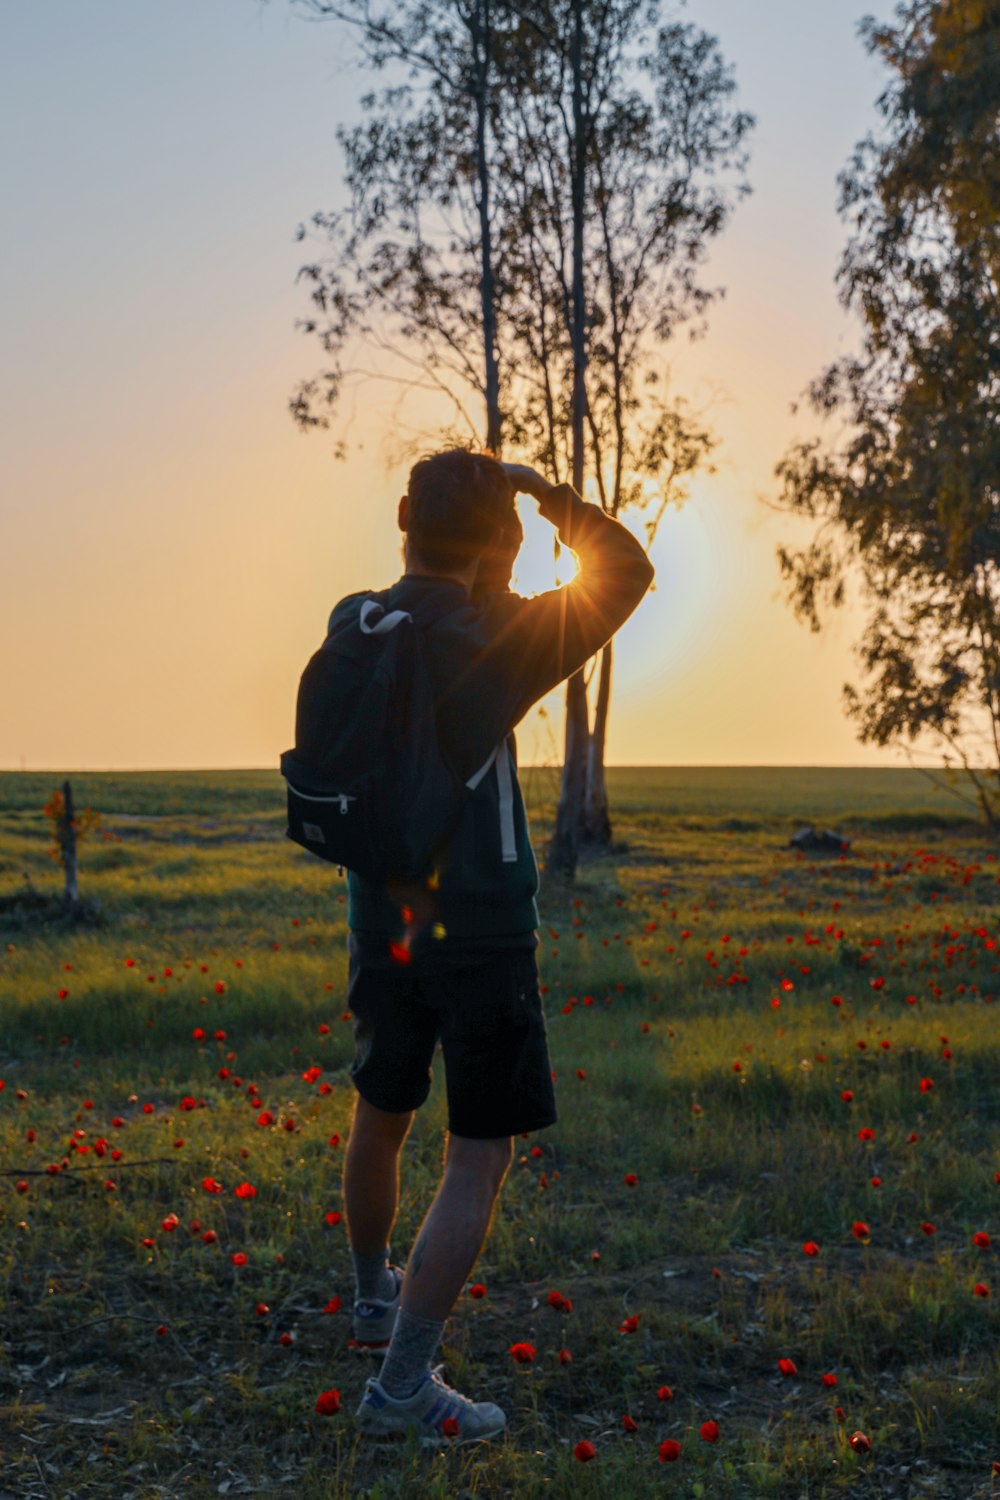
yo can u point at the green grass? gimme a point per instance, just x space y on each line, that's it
735 1168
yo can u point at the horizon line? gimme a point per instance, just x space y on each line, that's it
522 766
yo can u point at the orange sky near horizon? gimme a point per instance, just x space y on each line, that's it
173 545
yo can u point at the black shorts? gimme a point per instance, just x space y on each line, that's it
488 1016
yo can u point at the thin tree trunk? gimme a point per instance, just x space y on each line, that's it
482 45
564 847
596 813
67 838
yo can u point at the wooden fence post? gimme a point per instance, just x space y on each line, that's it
67 838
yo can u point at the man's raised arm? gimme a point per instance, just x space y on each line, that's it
544 640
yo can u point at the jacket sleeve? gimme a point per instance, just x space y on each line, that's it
539 642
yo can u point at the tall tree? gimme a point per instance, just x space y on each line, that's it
406 276
909 500
599 141
617 165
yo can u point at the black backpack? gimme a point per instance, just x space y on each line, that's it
369 787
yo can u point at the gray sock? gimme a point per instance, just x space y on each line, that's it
373 1277
411 1349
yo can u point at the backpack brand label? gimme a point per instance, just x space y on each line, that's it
313 833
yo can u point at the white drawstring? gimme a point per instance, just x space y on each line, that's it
507 840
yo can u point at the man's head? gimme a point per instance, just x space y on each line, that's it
458 508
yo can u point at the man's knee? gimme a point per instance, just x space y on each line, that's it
388 1123
487 1158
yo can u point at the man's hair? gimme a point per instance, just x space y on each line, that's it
457 503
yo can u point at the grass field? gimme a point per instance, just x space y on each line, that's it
755 1051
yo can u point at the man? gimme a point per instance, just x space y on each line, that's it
455 960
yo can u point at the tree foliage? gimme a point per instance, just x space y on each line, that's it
909 497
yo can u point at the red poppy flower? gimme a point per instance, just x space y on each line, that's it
928 1227
262 1309
709 1431
522 1354
981 1240
810 1248
328 1403
245 1190
630 1324
840 1414
477 1290
584 1451
628 1423
860 1230
559 1302
788 1368
926 1084
333 1306
239 1257
860 1442
565 1358
630 1179
286 1339
866 1133
981 1289
665 1393
332 1217
829 1381
847 1096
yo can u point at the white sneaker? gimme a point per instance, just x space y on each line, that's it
382 1417
374 1321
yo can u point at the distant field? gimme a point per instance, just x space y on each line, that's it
779 792
785 1050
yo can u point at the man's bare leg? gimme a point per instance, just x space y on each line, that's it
371 1175
445 1250
455 1226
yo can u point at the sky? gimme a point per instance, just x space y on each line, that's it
173 544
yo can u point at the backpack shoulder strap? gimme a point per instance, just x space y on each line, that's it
422 614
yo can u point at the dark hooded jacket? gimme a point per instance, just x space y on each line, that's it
489 664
